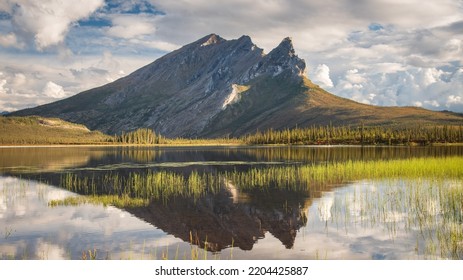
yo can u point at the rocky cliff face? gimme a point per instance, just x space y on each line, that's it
217 87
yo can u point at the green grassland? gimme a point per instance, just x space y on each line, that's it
46 131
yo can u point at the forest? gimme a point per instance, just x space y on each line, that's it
359 135
316 135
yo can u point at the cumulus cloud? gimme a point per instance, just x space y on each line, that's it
20 86
47 22
2 84
34 80
322 76
379 52
104 70
453 99
354 77
18 80
53 90
422 87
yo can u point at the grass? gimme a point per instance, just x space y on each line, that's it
39 131
194 252
7 232
305 176
422 195
430 209
138 188
105 200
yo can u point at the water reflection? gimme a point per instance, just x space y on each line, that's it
226 219
335 225
33 230
334 220
42 159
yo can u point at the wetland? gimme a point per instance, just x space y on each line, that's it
232 202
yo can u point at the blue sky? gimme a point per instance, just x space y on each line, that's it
382 52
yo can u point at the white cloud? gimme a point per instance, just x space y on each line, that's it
315 25
432 103
322 76
429 76
10 40
453 99
131 26
53 90
18 80
453 45
354 77
155 44
46 22
2 84
378 52
25 83
423 87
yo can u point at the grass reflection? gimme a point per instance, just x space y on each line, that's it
163 185
420 195
430 208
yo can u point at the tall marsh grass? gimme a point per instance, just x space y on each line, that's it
429 209
308 177
136 189
163 185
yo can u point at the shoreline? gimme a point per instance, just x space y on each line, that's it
216 145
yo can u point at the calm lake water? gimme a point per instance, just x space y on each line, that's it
361 219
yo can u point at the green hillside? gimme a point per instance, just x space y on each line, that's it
39 130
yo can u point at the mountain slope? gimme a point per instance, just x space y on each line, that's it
39 130
217 87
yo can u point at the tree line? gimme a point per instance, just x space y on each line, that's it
320 135
144 136
360 135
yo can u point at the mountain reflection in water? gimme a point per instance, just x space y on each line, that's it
232 214
221 220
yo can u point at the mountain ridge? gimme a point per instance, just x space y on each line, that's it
215 87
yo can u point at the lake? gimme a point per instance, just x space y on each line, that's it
296 202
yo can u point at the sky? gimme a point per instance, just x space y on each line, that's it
380 52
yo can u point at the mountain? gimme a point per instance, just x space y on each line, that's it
216 87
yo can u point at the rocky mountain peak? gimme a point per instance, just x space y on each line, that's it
245 40
286 47
211 39
279 60
200 81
